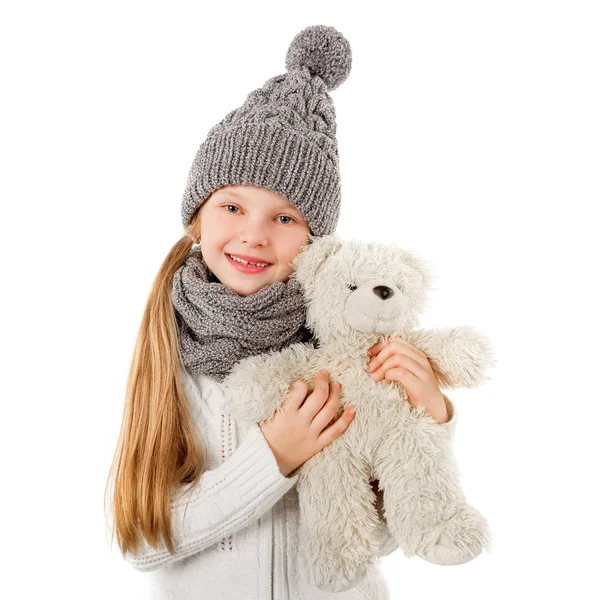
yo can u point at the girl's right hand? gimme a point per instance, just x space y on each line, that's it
296 433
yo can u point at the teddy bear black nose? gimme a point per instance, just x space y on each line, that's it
383 292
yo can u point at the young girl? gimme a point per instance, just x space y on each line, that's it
205 504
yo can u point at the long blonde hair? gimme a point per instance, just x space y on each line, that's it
158 447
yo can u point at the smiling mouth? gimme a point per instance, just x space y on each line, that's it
242 261
246 267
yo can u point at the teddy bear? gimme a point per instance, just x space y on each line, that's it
357 294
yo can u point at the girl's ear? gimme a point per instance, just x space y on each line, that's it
193 228
313 255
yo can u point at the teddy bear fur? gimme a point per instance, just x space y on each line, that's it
356 295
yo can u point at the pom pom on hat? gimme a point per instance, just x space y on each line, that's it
325 51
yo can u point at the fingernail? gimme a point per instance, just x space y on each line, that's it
352 410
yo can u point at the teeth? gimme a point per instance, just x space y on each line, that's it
245 262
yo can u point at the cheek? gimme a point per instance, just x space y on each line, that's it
291 245
214 233
284 270
212 249
213 220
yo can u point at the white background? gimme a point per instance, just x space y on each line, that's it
468 131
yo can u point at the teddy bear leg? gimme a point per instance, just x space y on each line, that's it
338 520
424 505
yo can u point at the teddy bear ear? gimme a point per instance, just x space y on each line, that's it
313 255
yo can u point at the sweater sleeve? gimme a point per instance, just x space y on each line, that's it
224 500
387 542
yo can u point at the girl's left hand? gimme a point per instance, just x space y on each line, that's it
397 360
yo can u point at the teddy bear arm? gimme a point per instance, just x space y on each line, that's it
258 385
459 356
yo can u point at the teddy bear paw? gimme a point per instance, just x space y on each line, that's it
459 540
449 555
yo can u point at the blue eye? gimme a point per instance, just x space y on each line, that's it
286 217
230 205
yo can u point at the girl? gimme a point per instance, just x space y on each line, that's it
208 506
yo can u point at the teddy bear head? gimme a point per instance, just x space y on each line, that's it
360 290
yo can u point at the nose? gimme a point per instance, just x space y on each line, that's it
383 291
253 236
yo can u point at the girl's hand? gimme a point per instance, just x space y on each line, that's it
397 360
304 425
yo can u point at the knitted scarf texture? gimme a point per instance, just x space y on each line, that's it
218 327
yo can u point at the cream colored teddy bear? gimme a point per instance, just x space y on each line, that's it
356 295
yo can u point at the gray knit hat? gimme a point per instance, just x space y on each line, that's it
283 136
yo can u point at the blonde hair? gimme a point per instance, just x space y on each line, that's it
158 447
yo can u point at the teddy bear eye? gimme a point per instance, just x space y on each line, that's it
351 287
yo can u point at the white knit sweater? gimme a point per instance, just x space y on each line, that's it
236 536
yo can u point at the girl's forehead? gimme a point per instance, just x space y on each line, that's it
253 194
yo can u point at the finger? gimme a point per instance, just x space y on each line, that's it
318 397
413 385
419 355
336 429
394 347
401 361
388 352
405 377
376 348
377 361
296 394
329 409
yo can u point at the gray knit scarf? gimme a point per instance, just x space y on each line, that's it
218 327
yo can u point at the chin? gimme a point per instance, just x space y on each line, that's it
251 285
247 288
248 291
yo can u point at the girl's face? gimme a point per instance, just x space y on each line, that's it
255 224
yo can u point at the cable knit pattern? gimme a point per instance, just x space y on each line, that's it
295 101
236 534
283 136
